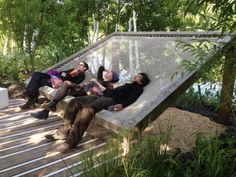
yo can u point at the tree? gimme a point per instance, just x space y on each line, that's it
225 21
42 27
228 82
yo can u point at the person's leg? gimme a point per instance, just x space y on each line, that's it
72 109
82 121
60 94
81 124
101 103
38 79
77 91
51 106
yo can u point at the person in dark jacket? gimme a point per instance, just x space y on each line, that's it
81 110
103 82
39 79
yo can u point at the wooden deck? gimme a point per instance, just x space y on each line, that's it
25 152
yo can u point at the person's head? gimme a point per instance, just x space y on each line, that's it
83 66
111 76
142 79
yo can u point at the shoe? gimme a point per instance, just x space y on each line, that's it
55 136
30 103
27 105
62 148
41 114
51 106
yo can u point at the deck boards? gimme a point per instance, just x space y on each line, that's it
24 151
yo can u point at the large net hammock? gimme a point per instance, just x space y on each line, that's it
157 54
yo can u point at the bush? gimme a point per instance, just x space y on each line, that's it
211 158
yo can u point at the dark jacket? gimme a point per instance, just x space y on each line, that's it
75 79
100 76
126 94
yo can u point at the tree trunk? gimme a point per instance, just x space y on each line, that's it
5 45
118 16
226 96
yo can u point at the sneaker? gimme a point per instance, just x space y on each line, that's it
55 136
62 148
51 106
41 114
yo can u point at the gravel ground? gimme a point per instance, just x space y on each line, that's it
183 127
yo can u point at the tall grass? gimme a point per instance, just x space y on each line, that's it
147 158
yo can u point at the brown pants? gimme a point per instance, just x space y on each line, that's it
63 90
79 114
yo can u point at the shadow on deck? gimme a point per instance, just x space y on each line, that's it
25 152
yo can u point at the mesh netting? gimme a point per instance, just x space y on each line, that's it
157 56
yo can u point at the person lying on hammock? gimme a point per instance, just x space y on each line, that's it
81 110
105 80
53 79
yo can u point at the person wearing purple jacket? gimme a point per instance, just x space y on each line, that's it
39 79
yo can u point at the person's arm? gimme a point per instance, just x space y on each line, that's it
118 107
100 73
102 88
66 72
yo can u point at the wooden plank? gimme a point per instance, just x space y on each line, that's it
7 135
41 154
60 161
24 151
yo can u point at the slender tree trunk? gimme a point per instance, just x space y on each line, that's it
95 25
226 96
118 16
5 45
131 67
12 43
136 42
134 21
97 31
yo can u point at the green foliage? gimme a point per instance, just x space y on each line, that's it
190 99
64 28
153 16
10 67
216 15
208 58
212 157
213 59
17 67
46 26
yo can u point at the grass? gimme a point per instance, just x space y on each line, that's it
214 157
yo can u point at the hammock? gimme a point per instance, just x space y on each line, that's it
155 53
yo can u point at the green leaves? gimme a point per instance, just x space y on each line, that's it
225 12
